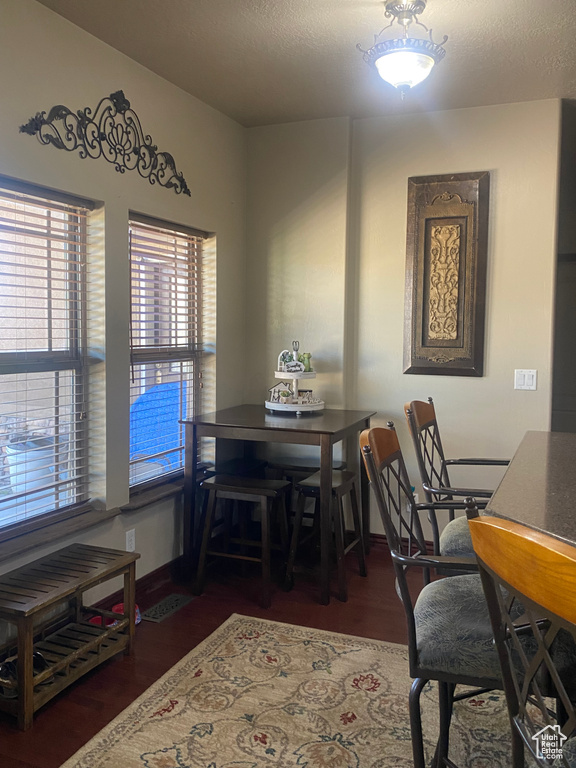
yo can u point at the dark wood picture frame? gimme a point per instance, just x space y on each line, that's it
446 253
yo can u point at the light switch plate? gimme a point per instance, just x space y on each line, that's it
525 378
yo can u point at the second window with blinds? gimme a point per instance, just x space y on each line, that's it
166 343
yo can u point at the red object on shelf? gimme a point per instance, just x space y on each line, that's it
97 620
119 608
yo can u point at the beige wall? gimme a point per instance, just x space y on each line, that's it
296 230
47 61
518 144
325 254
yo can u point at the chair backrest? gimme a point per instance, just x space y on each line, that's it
389 480
421 418
538 651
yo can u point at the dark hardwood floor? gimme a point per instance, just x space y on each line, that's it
68 721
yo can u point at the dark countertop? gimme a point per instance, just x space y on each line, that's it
539 487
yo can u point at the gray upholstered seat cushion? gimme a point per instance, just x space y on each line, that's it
568 754
455 539
453 632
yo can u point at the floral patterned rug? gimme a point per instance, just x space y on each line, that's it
259 693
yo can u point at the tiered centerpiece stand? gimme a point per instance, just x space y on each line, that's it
297 405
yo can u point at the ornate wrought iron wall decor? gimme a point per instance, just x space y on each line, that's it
114 132
446 274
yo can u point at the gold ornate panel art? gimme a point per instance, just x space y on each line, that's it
446 274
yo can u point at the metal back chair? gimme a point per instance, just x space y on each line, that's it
421 418
403 532
449 632
537 652
433 468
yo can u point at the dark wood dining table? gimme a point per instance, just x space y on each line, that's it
539 486
255 423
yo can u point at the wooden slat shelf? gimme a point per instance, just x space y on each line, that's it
77 647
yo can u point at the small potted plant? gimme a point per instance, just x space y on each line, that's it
285 396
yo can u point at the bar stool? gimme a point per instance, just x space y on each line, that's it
343 482
243 467
295 468
269 495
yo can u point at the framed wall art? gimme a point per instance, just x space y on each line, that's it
447 238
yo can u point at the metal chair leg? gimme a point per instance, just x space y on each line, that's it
518 760
561 714
416 722
445 701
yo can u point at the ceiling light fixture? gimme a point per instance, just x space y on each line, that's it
404 61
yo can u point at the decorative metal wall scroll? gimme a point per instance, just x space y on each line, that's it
446 274
114 132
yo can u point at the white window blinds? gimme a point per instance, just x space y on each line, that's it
166 341
43 431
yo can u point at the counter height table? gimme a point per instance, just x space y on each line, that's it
256 423
539 487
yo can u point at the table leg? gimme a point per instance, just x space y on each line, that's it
189 511
325 517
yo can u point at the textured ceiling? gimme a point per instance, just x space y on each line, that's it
274 61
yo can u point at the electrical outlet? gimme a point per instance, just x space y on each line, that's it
131 540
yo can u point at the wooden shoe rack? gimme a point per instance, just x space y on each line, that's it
69 643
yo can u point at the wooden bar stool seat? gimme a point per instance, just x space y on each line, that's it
343 483
270 496
295 468
243 467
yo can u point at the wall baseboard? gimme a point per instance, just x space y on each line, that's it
169 572
148 583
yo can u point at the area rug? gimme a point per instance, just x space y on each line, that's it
260 693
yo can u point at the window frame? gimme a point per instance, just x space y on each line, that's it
74 358
19 537
176 353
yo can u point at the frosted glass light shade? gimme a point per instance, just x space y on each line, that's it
404 69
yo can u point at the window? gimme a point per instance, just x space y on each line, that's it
43 430
166 339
